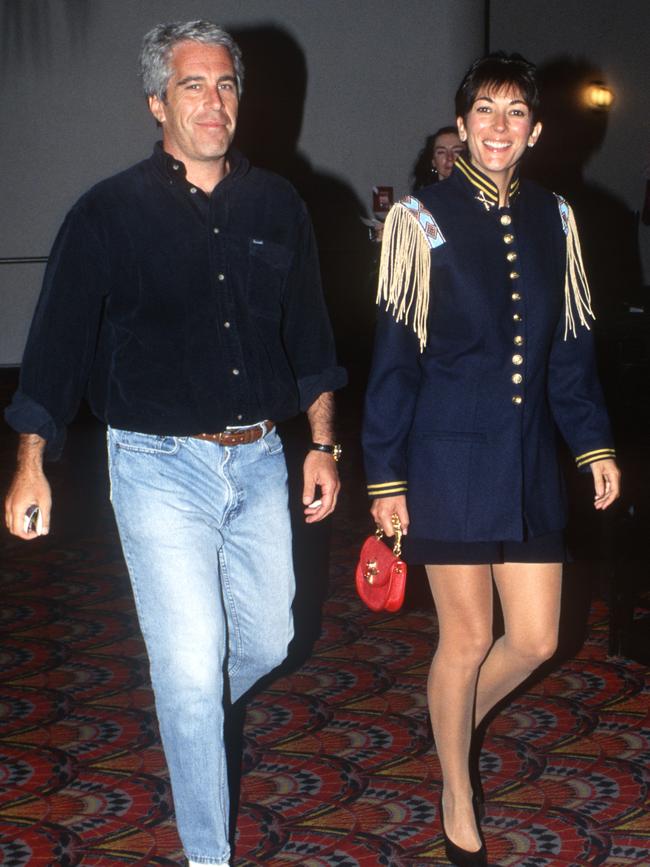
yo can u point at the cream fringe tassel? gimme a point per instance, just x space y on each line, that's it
404 270
576 285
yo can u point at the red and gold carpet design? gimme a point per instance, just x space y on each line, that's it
339 767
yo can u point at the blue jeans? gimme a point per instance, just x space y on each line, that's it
207 540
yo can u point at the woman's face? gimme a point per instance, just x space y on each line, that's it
446 149
498 129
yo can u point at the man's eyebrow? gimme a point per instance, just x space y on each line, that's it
188 78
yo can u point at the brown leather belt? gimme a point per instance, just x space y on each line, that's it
238 436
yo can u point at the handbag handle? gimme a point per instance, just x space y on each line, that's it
397 527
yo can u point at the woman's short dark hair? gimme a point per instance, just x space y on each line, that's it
423 172
494 72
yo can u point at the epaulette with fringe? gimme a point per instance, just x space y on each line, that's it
577 297
410 233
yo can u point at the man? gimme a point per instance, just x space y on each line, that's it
183 297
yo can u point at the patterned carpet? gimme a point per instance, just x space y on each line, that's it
339 767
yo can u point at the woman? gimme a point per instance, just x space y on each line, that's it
436 159
483 351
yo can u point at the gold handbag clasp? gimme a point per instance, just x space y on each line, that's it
397 544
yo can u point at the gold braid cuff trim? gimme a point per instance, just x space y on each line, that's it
387 489
410 233
597 455
577 297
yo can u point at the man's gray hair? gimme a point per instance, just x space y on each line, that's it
160 41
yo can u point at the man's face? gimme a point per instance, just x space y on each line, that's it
199 113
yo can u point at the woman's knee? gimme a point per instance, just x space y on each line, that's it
467 648
533 649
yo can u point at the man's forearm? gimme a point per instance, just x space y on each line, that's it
321 418
30 453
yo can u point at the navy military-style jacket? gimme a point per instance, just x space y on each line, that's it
465 420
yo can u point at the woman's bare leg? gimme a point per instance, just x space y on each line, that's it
463 600
530 598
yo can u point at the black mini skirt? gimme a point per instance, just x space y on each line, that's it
550 548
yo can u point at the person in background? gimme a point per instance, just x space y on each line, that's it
436 159
183 297
483 353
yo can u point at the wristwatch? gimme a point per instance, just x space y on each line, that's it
335 450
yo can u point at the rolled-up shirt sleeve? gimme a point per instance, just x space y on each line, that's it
307 332
61 344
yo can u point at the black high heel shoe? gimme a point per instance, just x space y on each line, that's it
476 745
462 857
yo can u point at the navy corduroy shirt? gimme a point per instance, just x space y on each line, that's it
176 312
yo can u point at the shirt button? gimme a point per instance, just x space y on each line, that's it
235 371
508 238
240 417
216 230
192 190
511 256
221 277
226 324
176 167
517 378
505 219
516 296
517 359
519 340
514 275
517 399
517 317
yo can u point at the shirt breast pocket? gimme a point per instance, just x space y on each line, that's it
268 267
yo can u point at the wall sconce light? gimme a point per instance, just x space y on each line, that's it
599 96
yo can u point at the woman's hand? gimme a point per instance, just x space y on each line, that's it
607 482
384 508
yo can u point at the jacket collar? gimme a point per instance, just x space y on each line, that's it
485 190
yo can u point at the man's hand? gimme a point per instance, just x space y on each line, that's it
383 509
28 488
607 482
320 469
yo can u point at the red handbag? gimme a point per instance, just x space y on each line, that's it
381 573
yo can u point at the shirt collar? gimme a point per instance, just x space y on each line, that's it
174 169
484 189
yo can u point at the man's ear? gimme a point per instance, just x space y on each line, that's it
156 107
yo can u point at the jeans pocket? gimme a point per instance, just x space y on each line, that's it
132 441
272 443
